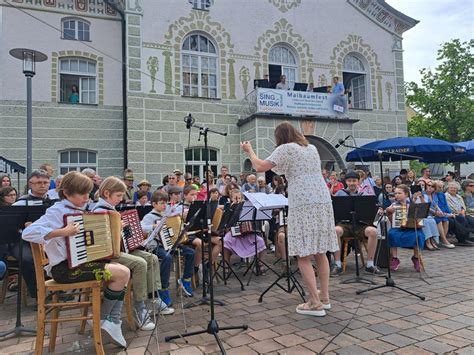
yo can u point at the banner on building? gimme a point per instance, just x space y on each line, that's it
301 103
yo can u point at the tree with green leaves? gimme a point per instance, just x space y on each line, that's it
444 101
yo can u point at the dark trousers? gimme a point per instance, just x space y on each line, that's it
461 227
166 260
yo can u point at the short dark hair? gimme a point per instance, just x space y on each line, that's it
187 189
159 196
214 189
141 193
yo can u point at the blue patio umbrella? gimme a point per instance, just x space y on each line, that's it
468 155
417 148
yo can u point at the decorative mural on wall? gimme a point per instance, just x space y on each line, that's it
90 7
322 80
152 65
244 77
388 91
355 44
285 5
201 21
283 32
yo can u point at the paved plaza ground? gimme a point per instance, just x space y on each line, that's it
385 321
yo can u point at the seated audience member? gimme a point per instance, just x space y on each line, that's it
221 182
145 186
90 173
430 228
444 213
128 179
425 175
387 198
361 231
403 175
224 200
461 224
50 170
282 84
142 198
262 185
8 196
365 185
411 178
450 177
54 193
397 180
250 185
5 179
334 185
378 189
467 195
404 237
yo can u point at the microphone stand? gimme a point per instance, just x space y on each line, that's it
389 281
212 327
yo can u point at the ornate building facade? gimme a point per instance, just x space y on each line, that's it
202 57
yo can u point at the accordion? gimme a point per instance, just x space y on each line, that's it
400 219
132 233
170 232
99 237
241 229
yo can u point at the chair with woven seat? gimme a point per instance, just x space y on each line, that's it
91 296
345 247
12 270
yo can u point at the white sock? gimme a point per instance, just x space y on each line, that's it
370 263
338 263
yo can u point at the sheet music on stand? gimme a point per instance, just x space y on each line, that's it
262 201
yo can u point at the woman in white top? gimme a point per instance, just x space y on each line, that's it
311 227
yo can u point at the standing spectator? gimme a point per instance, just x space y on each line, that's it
282 84
54 193
128 179
262 185
325 175
144 186
403 175
334 185
378 186
172 183
243 178
74 96
450 177
397 180
178 173
250 185
338 87
8 196
220 184
6 181
50 170
342 178
365 185
425 175
411 178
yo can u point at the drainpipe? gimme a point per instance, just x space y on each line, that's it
124 81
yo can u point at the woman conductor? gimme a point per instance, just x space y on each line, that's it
311 228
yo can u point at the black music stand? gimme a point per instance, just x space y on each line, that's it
291 282
12 220
252 212
196 223
415 210
230 216
212 327
355 210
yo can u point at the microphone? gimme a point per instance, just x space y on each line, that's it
189 121
342 141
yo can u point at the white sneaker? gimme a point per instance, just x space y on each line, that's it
114 330
161 307
143 320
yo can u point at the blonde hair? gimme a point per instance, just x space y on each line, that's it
362 174
74 182
112 184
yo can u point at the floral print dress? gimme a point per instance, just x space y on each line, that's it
311 227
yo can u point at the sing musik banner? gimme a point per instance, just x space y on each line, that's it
298 103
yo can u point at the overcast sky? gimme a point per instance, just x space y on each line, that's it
440 21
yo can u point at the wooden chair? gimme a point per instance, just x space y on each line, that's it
128 303
12 270
55 305
345 247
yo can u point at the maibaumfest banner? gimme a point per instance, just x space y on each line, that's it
301 103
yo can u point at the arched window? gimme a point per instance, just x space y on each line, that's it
196 159
75 29
199 67
79 73
76 160
355 80
283 61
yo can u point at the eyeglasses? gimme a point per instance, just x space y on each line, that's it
189 179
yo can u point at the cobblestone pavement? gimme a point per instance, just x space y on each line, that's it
382 321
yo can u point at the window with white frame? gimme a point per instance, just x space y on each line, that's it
283 61
201 4
199 67
196 160
77 160
355 81
75 29
78 80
